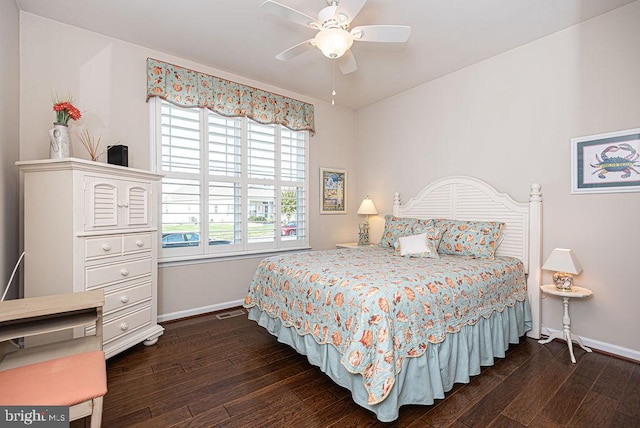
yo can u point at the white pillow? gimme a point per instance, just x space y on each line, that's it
417 245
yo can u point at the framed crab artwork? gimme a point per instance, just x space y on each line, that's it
606 162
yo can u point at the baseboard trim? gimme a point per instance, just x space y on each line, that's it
602 346
199 311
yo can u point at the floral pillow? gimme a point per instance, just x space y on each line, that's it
428 226
478 239
424 244
395 227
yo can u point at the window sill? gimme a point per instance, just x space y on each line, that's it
217 258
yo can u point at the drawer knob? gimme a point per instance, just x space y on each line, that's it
124 272
126 204
140 243
120 204
106 247
124 326
124 299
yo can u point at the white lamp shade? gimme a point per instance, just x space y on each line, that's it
367 207
563 260
333 42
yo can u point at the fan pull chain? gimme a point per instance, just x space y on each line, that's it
333 84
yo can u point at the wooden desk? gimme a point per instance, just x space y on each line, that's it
39 315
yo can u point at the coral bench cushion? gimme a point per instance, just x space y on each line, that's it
59 382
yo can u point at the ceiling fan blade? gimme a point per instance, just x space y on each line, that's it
350 8
289 14
295 50
347 63
381 33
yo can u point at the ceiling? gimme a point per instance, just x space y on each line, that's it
236 37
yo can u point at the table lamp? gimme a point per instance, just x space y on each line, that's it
565 263
366 208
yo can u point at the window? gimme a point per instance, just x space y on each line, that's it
231 185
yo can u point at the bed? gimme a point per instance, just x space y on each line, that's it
403 329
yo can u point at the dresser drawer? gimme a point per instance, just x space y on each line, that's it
103 246
126 324
99 276
139 242
126 297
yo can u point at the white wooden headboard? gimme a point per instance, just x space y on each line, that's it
468 198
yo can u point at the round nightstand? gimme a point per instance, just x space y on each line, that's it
565 334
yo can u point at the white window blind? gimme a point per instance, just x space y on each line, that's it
293 182
230 185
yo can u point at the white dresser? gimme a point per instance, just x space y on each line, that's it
89 225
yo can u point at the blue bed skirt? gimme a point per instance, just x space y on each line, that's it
422 379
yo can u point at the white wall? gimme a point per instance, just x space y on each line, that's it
107 78
9 142
509 121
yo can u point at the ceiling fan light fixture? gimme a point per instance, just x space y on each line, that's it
333 42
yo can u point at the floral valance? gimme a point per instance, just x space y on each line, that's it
187 88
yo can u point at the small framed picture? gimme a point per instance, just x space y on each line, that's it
333 191
606 162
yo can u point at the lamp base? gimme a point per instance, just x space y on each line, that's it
563 281
363 234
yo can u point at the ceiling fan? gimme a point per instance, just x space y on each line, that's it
335 37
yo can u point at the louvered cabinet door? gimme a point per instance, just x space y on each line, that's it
116 203
136 211
101 196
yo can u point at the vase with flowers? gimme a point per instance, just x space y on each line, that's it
59 135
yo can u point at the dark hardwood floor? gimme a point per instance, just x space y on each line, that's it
206 372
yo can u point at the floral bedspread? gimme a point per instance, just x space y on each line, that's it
378 308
